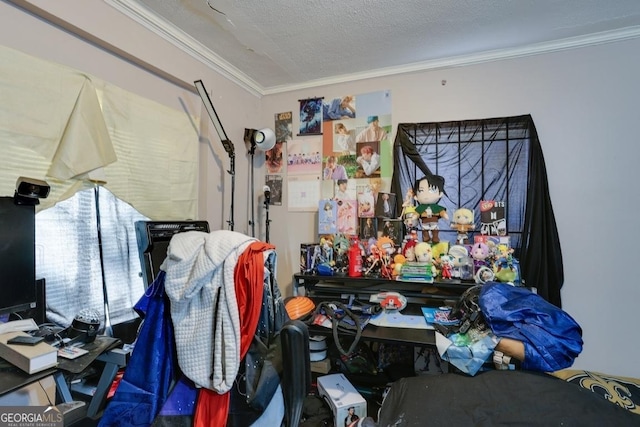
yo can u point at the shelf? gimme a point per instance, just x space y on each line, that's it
319 286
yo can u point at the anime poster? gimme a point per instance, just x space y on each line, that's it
311 116
274 158
274 182
327 217
366 201
284 126
347 217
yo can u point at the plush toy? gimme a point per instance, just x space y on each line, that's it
462 222
423 253
479 253
409 250
398 261
428 191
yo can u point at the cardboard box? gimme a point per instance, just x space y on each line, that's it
341 395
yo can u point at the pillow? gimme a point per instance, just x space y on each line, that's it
623 391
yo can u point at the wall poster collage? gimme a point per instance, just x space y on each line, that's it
342 153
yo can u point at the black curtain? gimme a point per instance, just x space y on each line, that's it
489 159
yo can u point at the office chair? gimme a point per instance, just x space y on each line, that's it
296 375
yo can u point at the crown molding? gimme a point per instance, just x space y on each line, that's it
464 60
186 43
201 53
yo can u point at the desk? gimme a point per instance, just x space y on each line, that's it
419 294
102 349
418 337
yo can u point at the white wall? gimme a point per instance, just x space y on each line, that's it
584 105
583 102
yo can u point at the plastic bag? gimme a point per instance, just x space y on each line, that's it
552 338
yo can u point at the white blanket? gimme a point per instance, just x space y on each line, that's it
200 285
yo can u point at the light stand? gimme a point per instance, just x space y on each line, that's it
267 201
108 331
250 141
226 143
264 140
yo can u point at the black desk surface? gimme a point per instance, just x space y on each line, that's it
95 348
388 334
419 294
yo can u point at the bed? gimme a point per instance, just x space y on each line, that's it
512 397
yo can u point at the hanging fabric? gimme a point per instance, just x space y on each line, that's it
489 159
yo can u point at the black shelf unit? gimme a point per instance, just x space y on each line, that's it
419 292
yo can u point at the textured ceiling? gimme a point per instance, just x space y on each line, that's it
274 45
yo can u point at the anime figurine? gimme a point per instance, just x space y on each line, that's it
446 265
462 222
462 263
326 245
408 198
428 192
410 218
503 267
479 253
387 249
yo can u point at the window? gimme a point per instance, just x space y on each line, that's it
68 256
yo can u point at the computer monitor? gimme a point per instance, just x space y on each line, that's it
17 257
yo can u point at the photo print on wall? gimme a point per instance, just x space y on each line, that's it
274 182
284 126
274 158
386 205
368 229
310 116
